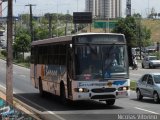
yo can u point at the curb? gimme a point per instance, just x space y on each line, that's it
37 115
21 106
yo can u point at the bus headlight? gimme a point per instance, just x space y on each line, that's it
123 88
81 90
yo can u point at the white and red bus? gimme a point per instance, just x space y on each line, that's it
80 67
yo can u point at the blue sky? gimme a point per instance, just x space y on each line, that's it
61 6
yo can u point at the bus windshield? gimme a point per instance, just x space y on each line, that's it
100 62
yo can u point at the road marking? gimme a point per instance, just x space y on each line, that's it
5 89
56 115
2 86
146 110
135 74
59 117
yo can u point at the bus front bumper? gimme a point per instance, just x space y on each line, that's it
101 96
122 94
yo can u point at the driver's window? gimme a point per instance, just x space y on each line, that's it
150 80
144 79
110 56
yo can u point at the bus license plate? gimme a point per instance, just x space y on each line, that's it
121 93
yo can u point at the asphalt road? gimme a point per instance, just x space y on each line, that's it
80 110
136 74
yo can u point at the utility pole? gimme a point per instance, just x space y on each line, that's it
9 64
31 25
139 36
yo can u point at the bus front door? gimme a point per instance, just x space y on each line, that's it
35 76
69 86
69 73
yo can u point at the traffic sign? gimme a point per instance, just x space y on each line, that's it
82 17
103 24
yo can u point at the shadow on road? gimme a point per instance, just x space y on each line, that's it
52 103
145 100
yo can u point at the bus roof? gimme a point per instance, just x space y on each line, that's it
52 40
67 38
98 34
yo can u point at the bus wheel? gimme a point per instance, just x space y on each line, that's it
63 94
42 93
110 101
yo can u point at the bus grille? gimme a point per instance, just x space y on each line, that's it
116 75
102 90
103 97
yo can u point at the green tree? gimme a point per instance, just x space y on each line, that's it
142 33
25 19
22 43
127 26
135 33
137 15
40 30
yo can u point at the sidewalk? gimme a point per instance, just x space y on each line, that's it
15 111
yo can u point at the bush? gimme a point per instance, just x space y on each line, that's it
156 54
133 85
4 53
28 58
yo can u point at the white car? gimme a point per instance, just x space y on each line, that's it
149 86
150 62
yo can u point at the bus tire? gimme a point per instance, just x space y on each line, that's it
41 92
110 101
63 94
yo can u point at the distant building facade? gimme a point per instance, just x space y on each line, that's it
1 8
92 6
128 7
104 8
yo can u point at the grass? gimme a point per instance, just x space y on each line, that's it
23 64
154 26
1 56
17 62
133 85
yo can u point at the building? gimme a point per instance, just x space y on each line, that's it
104 8
0 8
92 6
128 7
